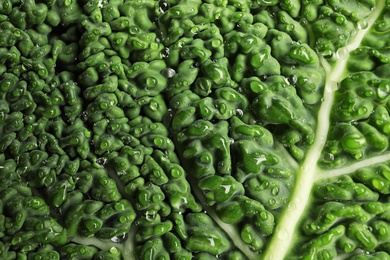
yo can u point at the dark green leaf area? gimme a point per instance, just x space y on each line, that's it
369 59
280 106
187 19
94 218
26 221
354 141
376 178
46 251
361 92
76 251
332 30
149 170
181 236
360 117
348 214
255 222
223 104
254 67
283 106
243 180
146 128
270 179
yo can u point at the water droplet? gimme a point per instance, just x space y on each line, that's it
362 110
263 215
163 6
84 116
290 27
329 157
362 24
158 141
275 191
221 164
151 82
168 72
342 53
239 112
101 161
292 205
176 173
205 158
119 239
165 53
260 158
340 20
272 201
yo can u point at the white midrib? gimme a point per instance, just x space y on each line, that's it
285 229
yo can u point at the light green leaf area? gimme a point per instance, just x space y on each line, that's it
190 129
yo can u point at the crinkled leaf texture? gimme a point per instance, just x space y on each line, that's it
232 129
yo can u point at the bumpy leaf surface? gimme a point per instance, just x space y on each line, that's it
232 129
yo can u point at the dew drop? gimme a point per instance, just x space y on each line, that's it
101 161
163 6
151 82
221 164
84 116
362 110
272 201
168 72
158 141
165 53
329 157
340 20
292 205
342 53
119 239
239 112
362 24
292 79
175 173
275 191
263 215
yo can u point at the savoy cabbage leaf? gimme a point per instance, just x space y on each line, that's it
232 129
